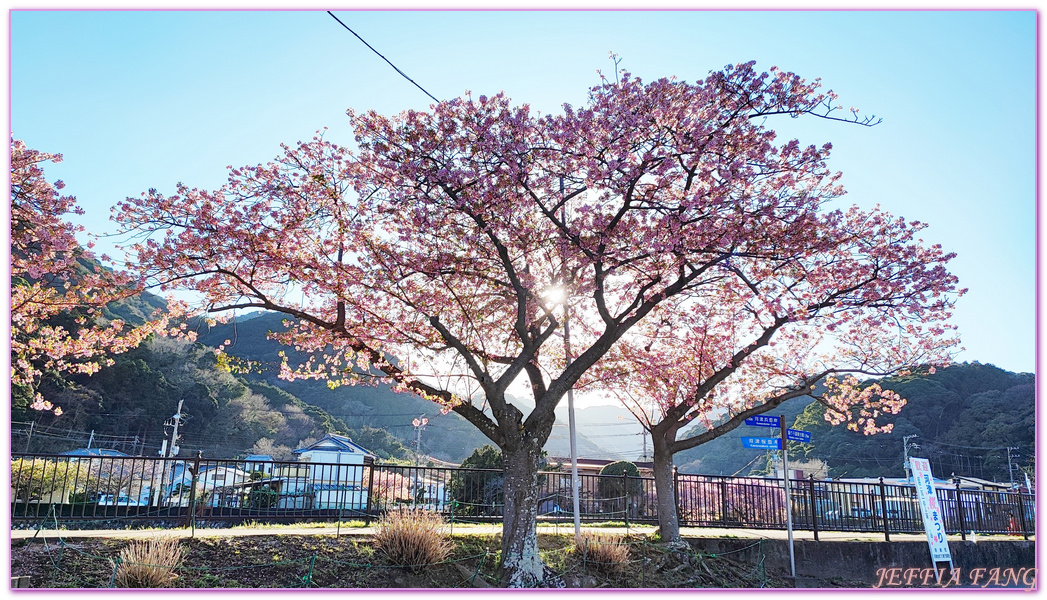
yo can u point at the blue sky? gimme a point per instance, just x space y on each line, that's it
136 100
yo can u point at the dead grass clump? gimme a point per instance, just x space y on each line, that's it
412 538
149 564
603 551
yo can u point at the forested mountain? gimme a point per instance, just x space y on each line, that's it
964 416
447 436
725 454
128 406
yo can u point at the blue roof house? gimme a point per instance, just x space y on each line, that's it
336 472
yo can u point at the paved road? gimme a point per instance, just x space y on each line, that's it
471 529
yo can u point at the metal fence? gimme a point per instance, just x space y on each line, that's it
209 491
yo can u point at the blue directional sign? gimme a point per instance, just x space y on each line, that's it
761 443
764 421
798 436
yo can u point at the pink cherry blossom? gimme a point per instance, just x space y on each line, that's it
49 278
697 255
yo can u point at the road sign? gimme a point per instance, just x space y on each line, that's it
796 435
762 443
764 421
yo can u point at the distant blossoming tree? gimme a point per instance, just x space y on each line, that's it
446 253
740 503
859 296
57 289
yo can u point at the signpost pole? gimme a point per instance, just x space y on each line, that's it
769 443
933 520
788 502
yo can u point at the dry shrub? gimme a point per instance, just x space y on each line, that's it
603 551
149 564
412 538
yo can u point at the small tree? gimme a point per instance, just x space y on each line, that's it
748 502
617 495
478 492
389 487
446 255
35 479
864 299
262 498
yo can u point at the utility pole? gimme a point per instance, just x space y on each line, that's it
905 451
419 425
1010 469
30 436
90 439
172 449
575 482
167 451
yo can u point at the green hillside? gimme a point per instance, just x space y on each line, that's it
447 436
726 456
128 406
964 416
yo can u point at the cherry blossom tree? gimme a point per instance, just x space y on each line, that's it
445 253
58 289
863 298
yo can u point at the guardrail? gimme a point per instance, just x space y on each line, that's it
200 491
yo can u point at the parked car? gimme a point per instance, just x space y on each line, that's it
109 500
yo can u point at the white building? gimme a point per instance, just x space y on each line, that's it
259 462
337 471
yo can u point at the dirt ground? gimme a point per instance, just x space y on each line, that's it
327 561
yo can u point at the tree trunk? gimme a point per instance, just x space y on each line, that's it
665 490
521 564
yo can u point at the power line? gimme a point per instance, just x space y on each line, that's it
967 447
382 57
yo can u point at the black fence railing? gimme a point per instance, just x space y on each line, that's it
202 491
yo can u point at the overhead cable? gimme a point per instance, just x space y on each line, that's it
382 57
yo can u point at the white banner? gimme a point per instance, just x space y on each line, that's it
933 520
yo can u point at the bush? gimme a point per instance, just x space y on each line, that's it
478 492
262 498
149 564
602 551
412 538
614 491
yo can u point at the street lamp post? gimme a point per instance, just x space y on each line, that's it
575 483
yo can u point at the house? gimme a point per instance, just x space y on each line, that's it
336 472
259 462
210 479
293 486
93 452
593 466
104 471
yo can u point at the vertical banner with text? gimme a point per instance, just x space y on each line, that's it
933 520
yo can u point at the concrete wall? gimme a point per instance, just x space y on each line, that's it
861 561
